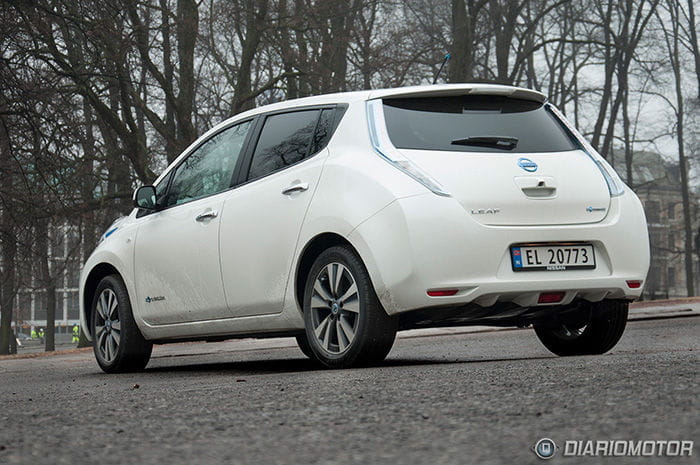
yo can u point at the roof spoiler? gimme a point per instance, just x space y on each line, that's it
446 90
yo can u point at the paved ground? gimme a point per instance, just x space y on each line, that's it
464 398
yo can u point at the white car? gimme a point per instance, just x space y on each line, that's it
342 219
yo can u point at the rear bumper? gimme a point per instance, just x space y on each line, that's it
429 242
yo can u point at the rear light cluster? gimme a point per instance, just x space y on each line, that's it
633 284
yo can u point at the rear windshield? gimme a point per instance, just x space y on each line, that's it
474 123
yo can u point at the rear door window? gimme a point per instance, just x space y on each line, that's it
285 139
478 123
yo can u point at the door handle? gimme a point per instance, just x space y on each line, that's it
296 187
207 215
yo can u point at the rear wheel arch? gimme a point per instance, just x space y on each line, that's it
344 321
96 275
311 251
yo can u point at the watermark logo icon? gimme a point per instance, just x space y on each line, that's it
545 448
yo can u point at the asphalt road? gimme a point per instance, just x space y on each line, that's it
468 398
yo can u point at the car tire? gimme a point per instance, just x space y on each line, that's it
118 344
600 333
304 345
346 324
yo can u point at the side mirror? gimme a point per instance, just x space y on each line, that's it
145 197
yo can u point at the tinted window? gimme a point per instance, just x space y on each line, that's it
434 123
161 188
284 140
323 130
209 169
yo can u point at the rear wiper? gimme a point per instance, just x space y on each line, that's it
496 142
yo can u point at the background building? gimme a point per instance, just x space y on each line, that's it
66 256
657 183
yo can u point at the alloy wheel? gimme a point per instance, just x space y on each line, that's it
335 307
107 325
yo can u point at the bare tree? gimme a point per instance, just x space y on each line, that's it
8 248
623 25
692 35
671 37
465 15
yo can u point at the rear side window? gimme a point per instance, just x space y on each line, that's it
285 139
478 123
323 130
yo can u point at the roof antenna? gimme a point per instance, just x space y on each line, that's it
447 58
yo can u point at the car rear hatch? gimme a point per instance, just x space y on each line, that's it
506 159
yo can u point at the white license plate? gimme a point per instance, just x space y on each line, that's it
552 257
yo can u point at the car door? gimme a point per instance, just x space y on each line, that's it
263 216
177 269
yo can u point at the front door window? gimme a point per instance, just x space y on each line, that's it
209 169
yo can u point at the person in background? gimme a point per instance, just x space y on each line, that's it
76 334
34 333
14 342
41 335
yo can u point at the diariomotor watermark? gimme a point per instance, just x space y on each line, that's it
546 448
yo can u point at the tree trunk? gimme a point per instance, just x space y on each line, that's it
504 15
7 284
606 148
256 17
50 329
337 21
89 221
628 142
304 87
88 182
288 55
672 39
187 28
683 163
341 23
460 67
8 245
172 149
610 60
47 283
694 41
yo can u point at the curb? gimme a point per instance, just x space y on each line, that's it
45 354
